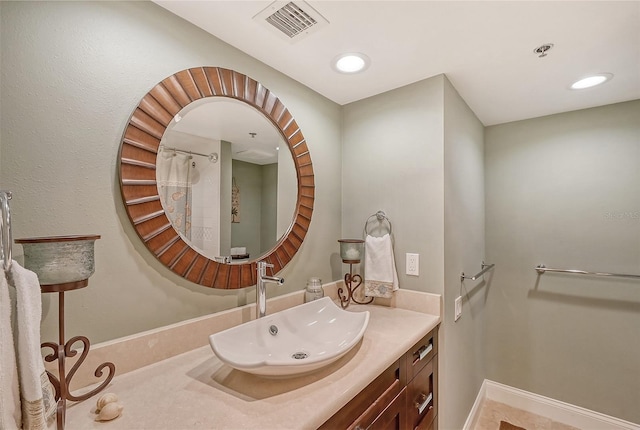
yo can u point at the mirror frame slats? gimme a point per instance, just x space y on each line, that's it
261 95
300 149
304 159
196 270
155 110
251 90
177 262
141 140
226 79
161 94
138 151
172 84
154 231
188 84
238 85
215 82
201 81
269 102
222 276
294 240
208 276
147 124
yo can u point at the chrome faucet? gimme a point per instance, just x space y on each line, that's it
261 290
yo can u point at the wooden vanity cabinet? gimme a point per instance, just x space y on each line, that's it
403 397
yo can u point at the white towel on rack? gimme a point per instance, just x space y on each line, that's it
36 392
380 275
10 415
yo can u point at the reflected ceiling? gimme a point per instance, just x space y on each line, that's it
253 138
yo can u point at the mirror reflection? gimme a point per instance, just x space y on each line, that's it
226 180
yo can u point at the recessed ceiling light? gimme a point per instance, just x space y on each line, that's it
591 81
351 63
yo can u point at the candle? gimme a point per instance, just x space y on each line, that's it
353 254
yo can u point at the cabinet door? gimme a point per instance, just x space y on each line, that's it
424 426
394 417
422 398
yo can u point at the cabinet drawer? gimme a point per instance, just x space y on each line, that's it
377 409
363 409
421 353
422 399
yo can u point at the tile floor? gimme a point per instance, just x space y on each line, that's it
492 412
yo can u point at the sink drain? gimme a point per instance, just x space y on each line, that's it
300 355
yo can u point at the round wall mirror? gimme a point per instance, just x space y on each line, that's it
215 175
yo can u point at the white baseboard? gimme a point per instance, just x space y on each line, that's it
470 423
556 410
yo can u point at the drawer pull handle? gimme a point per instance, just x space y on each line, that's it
425 401
422 352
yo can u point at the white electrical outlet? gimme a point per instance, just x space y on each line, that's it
413 264
458 306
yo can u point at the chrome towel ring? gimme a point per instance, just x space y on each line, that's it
381 217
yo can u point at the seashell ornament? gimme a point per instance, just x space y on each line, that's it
104 399
110 411
108 408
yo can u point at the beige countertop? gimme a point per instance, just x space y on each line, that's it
195 390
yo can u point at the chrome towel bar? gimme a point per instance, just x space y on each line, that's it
541 269
485 267
5 223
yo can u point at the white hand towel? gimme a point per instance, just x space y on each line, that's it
36 392
10 417
380 276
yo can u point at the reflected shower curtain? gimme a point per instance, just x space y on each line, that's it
174 187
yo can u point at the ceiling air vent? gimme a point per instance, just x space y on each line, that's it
291 20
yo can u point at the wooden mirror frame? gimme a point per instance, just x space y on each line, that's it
137 171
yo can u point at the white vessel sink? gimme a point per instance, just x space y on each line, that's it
294 341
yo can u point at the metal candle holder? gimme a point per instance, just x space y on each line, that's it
64 263
351 252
